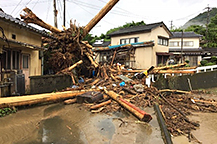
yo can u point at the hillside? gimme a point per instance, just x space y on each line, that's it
200 19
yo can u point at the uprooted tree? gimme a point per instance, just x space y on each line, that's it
66 47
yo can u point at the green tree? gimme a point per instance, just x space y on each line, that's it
197 29
211 37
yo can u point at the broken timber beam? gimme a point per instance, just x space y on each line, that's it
100 15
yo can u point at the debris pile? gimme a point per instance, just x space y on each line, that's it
121 88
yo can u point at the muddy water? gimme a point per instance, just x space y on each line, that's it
69 124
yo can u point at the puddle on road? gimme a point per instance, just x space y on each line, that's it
66 124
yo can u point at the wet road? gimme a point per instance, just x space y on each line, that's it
69 124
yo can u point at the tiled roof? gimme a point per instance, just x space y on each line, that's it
104 44
135 29
8 17
185 35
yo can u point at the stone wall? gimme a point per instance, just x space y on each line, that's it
49 83
196 81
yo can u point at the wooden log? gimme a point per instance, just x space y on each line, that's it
129 91
70 101
30 17
141 115
100 105
38 98
71 67
206 102
94 63
170 66
105 73
113 58
95 81
184 116
112 76
175 71
174 91
100 15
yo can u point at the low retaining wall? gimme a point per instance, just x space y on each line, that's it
49 83
186 82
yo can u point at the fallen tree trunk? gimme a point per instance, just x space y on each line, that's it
30 17
38 99
141 115
100 15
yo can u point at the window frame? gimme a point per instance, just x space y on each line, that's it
163 41
25 66
128 40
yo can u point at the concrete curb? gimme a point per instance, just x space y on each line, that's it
164 132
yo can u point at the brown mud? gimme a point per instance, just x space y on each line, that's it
66 124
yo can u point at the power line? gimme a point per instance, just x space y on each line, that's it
49 5
28 2
22 4
97 8
35 4
16 7
93 14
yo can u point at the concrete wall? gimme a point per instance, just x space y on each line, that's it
49 83
197 81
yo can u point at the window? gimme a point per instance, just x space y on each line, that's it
25 61
185 43
129 40
16 59
10 59
174 44
163 41
188 43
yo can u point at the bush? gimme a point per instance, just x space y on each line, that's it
213 59
187 61
203 62
209 64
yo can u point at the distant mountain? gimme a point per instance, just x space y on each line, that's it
200 19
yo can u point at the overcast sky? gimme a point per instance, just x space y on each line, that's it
150 11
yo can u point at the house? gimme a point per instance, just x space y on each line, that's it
101 43
20 54
148 45
188 50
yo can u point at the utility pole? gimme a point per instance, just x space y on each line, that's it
171 25
55 13
64 12
207 21
182 47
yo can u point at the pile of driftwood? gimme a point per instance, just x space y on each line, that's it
175 105
121 88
